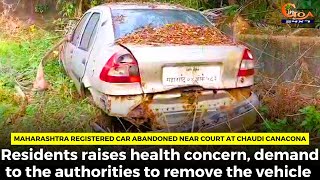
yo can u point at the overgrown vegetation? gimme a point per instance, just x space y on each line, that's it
70 8
286 109
21 109
307 121
311 4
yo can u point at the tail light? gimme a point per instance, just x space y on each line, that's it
122 67
247 64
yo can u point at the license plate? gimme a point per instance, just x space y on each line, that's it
190 75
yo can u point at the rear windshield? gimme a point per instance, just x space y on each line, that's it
127 21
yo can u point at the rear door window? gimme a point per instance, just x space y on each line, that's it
77 31
89 32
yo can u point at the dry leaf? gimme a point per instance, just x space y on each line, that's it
177 34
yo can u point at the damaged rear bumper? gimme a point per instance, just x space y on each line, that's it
238 117
213 111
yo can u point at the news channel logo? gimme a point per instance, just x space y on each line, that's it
297 16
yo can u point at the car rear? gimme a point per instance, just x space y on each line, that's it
183 87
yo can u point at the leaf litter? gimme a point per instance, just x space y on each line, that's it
177 34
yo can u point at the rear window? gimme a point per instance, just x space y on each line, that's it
127 21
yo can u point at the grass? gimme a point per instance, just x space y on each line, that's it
286 109
307 121
57 110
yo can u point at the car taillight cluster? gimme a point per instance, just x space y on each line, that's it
122 67
247 64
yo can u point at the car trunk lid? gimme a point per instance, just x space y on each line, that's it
163 68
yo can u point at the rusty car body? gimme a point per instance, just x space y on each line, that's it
170 87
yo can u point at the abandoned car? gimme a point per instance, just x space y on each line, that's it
168 87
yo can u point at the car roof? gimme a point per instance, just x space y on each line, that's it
144 5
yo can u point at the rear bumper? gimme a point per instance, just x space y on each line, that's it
213 112
238 117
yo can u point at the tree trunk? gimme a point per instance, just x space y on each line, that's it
79 9
31 19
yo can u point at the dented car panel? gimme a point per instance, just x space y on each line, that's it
166 87
237 117
153 61
179 111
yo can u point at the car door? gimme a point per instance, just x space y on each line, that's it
81 54
72 44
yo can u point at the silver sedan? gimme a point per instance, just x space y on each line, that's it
170 87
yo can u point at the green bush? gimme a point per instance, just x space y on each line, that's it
41 8
311 123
